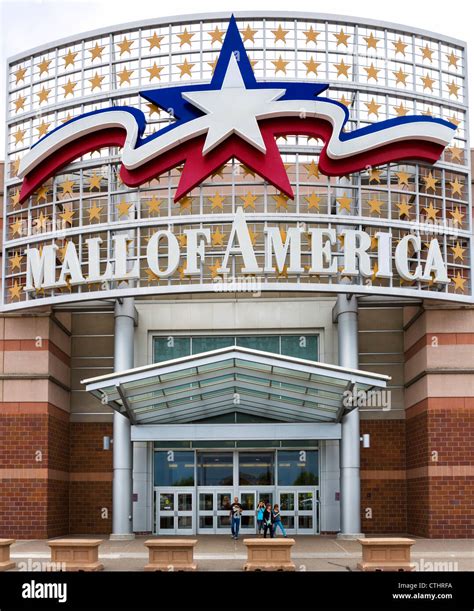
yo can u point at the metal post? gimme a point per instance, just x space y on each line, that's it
122 508
346 317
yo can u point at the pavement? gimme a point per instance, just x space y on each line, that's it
222 553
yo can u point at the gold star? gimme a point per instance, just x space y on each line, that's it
342 69
454 120
313 201
67 118
44 66
152 109
280 65
185 68
125 45
282 273
249 200
154 204
453 89
96 52
344 101
311 35
456 153
404 208
185 203
371 41
15 291
431 211
20 75
16 227
281 201
215 269
94 181
219 172
456 187
457 216
41 222
373 242
427 53
312 169
151 276
372 72
373 107
217 201
374 175
428 82
155 41
43 128
311 66
249 34
42 194
344 202
342 38
401 77
67 187
96 81
67 215
69 58
69 88
452 59
401 110
374 272
280 34
459 282
217 238
458 251
185 37
182 239
43 95
19 135
15 166
155 71
430 182
212 65
15 198
400 46
247 171
15 261
94 212
216 35
427 113
125 75
253 237
123 209
20 103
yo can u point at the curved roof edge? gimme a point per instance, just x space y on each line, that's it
223 15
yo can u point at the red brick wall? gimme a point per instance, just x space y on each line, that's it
90 490
383 485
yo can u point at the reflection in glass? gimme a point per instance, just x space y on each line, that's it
305 522
224 500
247 500
206 501
215 469
174 468
167 502
206 522
256 468
248 521
288 521
167 522
305 501
287 501
266 497
185 522
223 522
298 468
185 502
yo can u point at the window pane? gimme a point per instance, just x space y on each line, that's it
215 469
298 468
256 468
166 348
300 346
174 468
267 343
204 344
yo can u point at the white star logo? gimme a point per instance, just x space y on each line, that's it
234 109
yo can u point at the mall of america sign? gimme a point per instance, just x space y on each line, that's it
235 117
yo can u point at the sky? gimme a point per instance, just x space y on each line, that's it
25 24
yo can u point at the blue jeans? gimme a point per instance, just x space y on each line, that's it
235 526
282 528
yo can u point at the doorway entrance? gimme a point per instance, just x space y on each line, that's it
175 513
213 511
299 511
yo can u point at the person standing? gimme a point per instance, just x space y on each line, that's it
277 523
235 515
260 511
268 521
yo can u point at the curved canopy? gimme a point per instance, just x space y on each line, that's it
232 379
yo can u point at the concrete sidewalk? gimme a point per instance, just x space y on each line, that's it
221 553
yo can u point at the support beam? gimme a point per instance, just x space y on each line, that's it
122 488
345 314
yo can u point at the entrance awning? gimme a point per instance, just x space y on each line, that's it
232 379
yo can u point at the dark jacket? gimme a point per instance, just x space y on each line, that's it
268 516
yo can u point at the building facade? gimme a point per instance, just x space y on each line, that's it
152 395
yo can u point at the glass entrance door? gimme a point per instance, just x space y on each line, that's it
214 511
298 511
174 511
248 522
